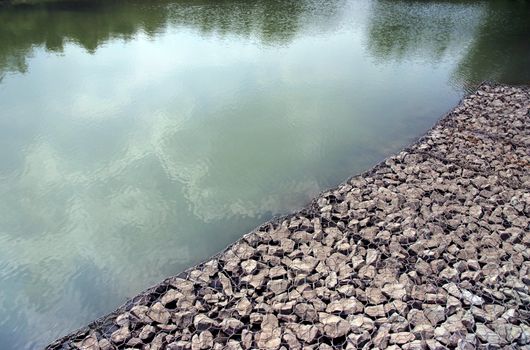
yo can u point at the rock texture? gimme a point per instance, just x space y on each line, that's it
428 250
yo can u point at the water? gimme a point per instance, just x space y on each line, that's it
138 138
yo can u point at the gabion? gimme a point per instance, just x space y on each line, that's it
427 250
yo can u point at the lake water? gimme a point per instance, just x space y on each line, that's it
137 138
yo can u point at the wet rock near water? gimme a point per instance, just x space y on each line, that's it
428 250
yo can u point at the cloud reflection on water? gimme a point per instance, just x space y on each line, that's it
138 138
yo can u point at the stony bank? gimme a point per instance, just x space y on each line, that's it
428 250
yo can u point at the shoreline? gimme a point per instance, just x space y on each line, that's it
405 256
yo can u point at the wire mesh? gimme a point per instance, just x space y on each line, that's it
427 250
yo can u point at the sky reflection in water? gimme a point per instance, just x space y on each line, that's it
137 139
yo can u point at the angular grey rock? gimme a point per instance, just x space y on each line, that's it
414 345
140 311
471 299
244 307
203 322
382 336
375 311
183 319
291 340
398 323
435 314
182 285
231 325
475 211
306 312
246 339
488 336
120 336
417 317
395 291
449 273
277 271
233 345
104 344
306 333
334 326
423 331
243 251
468 321
158 313
453 290
269 323
401 338
278 286
147 332
359 324
202 341
507 331
372 255
347 306
133 342
179 345
524 339
249 266
227 284
433 344
170 296
89 343
374 296
356 340
271 334
304 265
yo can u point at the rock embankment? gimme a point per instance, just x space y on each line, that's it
428 250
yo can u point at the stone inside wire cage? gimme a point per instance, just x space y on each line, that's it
428 250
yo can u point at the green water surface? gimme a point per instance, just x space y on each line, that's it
137 138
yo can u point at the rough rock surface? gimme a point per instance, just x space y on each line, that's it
428 250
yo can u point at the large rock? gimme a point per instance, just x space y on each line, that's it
147 332
334 326
375 311
401 338
394 290
271 334
120 336
435 314
306 312
227 284
382 336
203 322
360 324
244 307
231 325
305 265
304 332
159 313
202 341
170 296
89 343
347 306
487 336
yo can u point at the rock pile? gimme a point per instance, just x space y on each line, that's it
428 250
